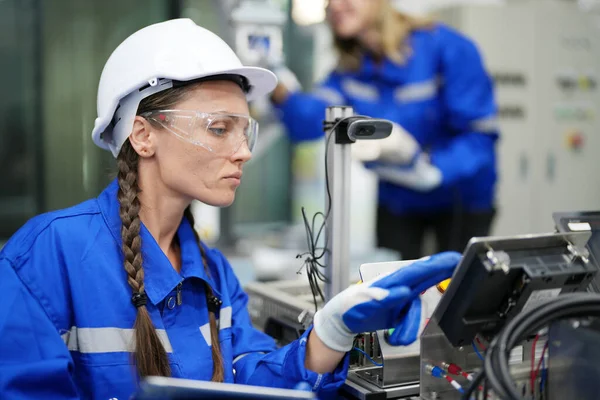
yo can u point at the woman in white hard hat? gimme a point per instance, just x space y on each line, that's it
122 280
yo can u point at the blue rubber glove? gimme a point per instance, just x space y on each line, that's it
408 329
390 301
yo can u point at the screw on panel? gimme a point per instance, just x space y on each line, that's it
498 260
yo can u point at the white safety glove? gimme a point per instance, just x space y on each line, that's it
400 148
390 301
421 176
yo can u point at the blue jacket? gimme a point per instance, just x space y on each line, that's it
442 95
66 316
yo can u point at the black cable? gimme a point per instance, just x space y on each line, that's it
314 255
490 364
485 389
312 260
566 306
496 367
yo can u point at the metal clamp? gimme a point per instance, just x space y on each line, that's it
499 260
578 253
305 318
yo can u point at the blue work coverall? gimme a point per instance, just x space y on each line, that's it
66 316
442 95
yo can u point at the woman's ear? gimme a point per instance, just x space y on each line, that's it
143 137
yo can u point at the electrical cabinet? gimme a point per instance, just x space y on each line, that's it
545 60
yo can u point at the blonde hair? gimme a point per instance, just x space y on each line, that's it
393 29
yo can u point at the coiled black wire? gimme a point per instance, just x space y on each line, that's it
315 254
496 368
313 258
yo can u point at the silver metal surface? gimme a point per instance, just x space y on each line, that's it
437 350
279 299
357 387
338 225
400 364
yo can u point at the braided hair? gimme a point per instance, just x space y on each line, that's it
150 356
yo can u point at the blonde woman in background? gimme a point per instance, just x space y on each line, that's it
438 169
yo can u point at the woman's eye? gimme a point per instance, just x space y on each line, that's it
219 131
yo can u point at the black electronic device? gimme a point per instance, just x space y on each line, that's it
583 221
499 277
350 129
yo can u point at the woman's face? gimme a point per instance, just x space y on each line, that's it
194 172
351 18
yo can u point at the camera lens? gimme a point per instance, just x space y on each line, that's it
366 131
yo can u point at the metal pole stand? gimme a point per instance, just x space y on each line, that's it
337 260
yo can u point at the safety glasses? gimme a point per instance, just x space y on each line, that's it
220 133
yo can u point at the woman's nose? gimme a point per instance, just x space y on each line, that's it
242 153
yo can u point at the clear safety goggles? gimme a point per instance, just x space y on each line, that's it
221 133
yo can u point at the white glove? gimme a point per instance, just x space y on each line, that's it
390 301
422 176
399 148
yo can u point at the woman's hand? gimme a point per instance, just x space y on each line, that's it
287 83
280 94
390 301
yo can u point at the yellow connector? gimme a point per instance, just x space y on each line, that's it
443 285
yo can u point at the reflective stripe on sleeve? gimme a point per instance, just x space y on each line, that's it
238 358
225 317
417 91
330 96
107 340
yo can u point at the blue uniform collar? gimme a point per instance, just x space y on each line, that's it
159 276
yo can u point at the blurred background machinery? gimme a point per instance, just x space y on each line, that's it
545 68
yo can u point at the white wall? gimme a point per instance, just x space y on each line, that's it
420 7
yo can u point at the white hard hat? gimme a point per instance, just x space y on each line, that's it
150 60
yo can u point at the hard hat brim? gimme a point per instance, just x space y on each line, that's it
261 81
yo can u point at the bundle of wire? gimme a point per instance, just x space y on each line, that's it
313 258
496 368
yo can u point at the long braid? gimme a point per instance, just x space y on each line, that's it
150 355
218 371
